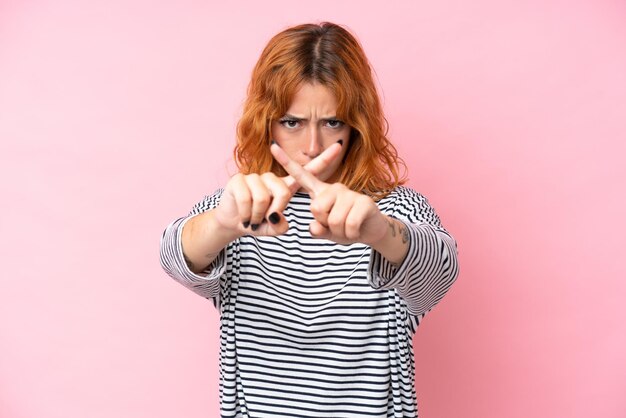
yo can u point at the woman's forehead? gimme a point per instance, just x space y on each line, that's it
313 94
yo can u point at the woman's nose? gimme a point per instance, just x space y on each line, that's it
314 143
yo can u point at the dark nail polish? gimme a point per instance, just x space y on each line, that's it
340 142
274 142
274 218
254 227
246 224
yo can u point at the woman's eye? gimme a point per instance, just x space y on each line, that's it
333 123
289 123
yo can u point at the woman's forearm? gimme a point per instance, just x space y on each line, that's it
394 245
203 239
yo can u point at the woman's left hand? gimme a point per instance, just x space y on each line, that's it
341 215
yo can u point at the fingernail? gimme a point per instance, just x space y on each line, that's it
340 142
274 142
246 224
274 218
254 227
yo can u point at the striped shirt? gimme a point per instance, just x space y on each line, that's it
311 328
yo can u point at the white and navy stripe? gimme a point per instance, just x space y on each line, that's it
311 328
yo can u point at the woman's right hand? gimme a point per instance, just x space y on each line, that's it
251 204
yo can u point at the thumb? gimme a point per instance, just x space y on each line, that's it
318 230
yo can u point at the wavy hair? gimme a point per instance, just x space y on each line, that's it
327 54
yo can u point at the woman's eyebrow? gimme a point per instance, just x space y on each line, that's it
290 116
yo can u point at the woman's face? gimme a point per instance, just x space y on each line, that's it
310 126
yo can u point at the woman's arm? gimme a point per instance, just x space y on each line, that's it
394 245
416 256
430 265
172 258
202 240
192 248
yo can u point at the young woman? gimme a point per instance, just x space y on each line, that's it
319 261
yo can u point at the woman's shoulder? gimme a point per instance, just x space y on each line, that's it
403 193
404 202
208 202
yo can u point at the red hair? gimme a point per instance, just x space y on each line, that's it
327 54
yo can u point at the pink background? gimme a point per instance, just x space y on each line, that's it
117 116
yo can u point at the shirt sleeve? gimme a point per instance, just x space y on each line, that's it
431 265
206 283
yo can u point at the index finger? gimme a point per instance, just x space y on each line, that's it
299 173
316 165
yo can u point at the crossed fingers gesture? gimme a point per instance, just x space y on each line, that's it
252 204
341 215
